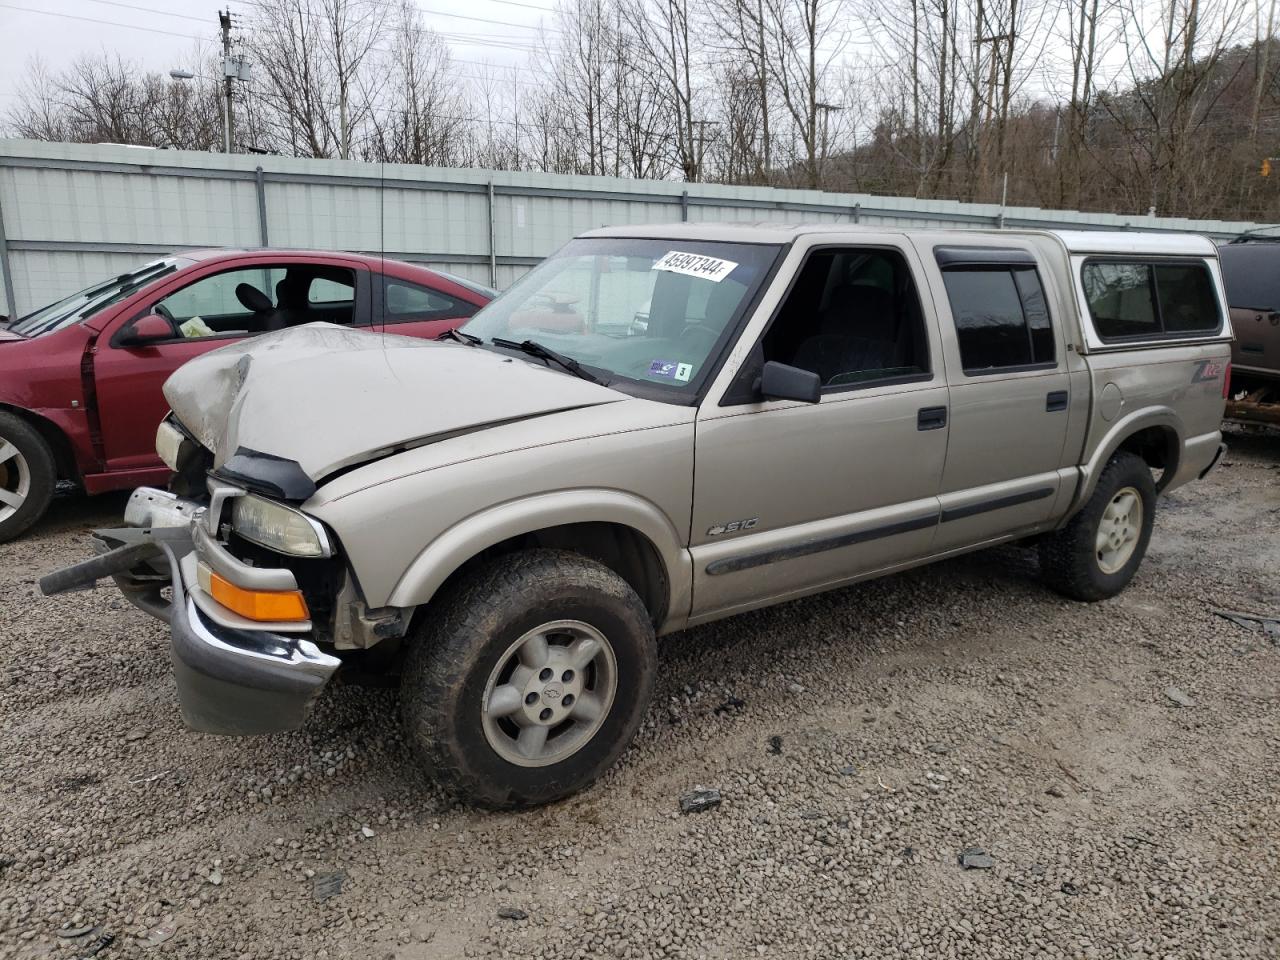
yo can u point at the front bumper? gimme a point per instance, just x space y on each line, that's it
231 679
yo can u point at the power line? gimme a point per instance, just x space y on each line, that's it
263 6
107 23
162 13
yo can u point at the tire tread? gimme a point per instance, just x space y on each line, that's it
445 649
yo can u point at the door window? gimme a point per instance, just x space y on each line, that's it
1001 318
854 318
1139 300
404 301
258 299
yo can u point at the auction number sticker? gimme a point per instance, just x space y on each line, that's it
695 265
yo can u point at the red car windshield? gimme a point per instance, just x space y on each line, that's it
82 305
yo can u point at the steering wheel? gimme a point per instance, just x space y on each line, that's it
163 311
695 331
557 302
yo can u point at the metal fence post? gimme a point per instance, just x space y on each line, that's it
856 213
493 246
261 183
5 274
684 207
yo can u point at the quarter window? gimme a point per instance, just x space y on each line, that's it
404 301
1001 317
1136 300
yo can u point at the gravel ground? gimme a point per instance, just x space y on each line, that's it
860 740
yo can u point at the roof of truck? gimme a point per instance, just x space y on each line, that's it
1076 241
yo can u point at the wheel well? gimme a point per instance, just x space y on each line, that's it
63 458
624 550
1158 447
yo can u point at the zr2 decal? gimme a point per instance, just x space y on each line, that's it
734 527
1206 370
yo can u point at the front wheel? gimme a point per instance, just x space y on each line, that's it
529 679
1097 553
27 476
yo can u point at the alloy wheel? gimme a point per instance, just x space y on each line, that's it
549 693
1119 530
15 479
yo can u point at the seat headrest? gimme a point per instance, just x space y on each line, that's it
252 298
860 310
292 291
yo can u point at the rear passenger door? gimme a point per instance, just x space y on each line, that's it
1010 393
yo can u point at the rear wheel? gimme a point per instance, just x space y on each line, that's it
27 476
1098 552
529 679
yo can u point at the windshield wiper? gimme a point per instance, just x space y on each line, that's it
454 334
535 349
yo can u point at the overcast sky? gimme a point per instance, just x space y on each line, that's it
160 34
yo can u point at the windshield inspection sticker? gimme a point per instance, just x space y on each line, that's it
695 265
671 370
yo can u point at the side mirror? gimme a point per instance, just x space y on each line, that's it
145 330
778 381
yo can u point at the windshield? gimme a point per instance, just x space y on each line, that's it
82 305
646 316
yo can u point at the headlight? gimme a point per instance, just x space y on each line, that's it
280 528
169 441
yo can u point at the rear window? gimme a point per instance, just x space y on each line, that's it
1135 300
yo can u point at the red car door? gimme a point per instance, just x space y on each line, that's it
209 308
425 306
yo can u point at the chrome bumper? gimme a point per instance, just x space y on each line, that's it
231 679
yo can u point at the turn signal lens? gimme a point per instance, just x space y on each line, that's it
277 605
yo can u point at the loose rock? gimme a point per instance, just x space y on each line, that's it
975 858
698 800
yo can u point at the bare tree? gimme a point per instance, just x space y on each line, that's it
40 113
662 32
422 117
319 75
807 38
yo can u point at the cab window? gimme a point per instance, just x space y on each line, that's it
853 317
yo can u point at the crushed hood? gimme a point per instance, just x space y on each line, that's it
328 397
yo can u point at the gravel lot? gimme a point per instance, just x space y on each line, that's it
861 740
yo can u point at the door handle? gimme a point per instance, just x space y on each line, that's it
931 418
1056 400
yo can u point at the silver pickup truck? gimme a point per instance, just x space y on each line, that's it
657 427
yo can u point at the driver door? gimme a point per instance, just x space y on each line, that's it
206 313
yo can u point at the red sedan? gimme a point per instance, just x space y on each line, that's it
80 379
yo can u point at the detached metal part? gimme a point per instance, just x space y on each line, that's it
230 680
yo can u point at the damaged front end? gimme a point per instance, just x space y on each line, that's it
250 623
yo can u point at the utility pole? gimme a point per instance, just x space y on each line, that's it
228 76
826 109
700 146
